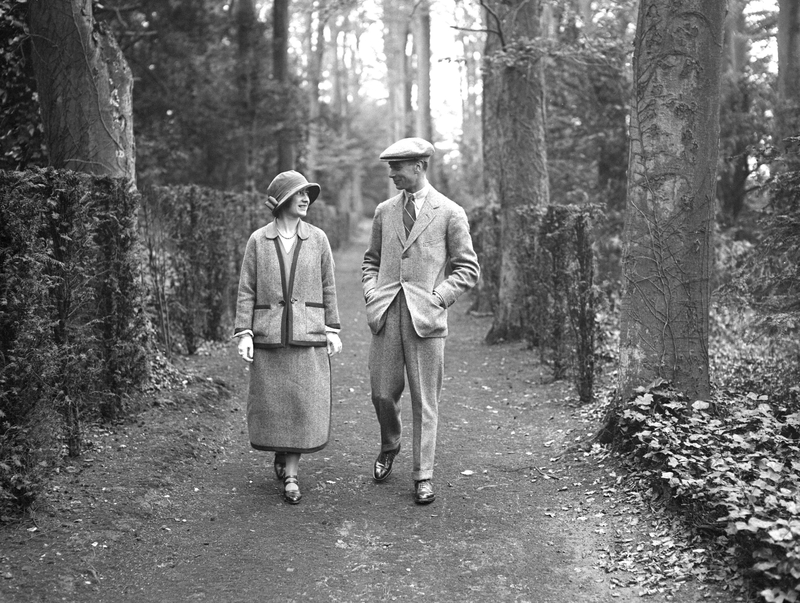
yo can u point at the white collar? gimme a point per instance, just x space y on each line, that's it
419 195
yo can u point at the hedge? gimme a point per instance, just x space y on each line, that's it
559 296
73 335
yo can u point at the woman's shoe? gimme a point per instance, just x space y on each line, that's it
279 464
291 490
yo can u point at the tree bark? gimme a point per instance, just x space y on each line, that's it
394 42
396 24
470 146
735 106
788 113
667 238
424 120
515 157
316 51
248 83
280 72
85 90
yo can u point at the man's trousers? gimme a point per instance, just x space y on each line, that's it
395 352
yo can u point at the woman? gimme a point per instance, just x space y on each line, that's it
287 322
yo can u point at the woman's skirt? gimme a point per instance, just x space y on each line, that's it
289 402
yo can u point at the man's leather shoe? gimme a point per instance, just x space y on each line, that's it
383 464
423 492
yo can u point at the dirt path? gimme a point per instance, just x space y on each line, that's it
176 507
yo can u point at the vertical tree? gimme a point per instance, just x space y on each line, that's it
667 237
788 113
249 77
280 72
396 32
85 90
316 20
741 124
469 186
515 158
424 126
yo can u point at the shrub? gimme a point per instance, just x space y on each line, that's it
73 336
485 230
559 296
732 464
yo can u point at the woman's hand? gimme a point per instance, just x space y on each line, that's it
246 348
334 343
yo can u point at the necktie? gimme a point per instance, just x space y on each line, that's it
409 215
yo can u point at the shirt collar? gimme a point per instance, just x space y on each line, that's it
419 195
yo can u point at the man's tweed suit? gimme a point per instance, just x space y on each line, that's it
405 282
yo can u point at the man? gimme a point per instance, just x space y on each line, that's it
416 235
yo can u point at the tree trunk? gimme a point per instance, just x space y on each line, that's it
788 113
280 71
85 90
667 238
735 106
248 84
316 50
470 146
424 122
515 158
586 14
396 22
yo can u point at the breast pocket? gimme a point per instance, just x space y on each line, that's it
433 250
434 242
315 318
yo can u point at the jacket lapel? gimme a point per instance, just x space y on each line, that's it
397 217
425 217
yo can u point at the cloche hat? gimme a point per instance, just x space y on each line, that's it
408 149
286 184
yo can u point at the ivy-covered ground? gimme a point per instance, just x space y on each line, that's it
173 505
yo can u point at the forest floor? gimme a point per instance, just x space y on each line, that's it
173 505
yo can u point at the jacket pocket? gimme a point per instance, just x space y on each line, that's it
267 321
315 318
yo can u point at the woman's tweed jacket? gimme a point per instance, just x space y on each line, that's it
287 309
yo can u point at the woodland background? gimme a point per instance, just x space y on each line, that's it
630 170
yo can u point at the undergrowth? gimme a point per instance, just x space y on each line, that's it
732 464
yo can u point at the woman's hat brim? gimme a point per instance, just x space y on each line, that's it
313 188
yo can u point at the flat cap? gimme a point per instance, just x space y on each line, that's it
407 149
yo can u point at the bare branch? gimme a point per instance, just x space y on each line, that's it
499 31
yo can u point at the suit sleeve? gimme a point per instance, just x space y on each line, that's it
463 259
372 257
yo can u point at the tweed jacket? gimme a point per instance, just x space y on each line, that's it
289 305
440 240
